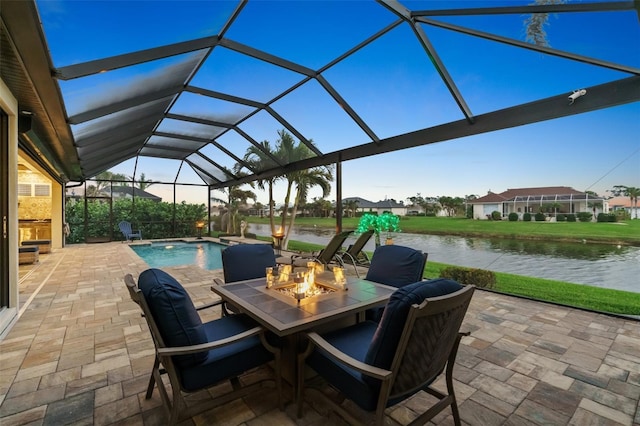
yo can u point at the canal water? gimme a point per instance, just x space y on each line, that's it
600 265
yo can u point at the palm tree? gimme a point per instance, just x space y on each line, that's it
633 194
536 23
235 198
351 206
628 191
143 183
104 179
288 151
259 160
305 180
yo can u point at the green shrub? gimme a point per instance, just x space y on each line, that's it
622 214
561 218
571 217
154 219
513 217
526 217
540 217
495 215
479 277
607 217
584 216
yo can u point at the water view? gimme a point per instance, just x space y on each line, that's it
600 265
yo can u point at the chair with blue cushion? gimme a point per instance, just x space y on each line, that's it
245 262
396 266
128 233
377 365
193 354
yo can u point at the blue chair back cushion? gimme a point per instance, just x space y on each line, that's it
246 261
385 340
173 313
396 265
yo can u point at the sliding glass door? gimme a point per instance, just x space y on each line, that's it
4 210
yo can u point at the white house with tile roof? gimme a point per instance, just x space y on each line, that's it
624 203
533 200
379 207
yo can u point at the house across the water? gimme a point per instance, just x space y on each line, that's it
552 200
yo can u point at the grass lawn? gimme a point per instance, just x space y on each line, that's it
626 232
578 295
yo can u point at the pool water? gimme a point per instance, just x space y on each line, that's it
173 253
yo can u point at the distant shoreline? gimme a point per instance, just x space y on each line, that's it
624 234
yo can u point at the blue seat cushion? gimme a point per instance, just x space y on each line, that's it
246 261
385 341
227 361
354 341
174 314
29 249
396 265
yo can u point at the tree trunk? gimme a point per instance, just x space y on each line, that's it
294 211
287 198
271 207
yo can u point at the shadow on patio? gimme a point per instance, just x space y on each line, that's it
81 354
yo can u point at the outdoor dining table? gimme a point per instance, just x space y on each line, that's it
284 315
287 318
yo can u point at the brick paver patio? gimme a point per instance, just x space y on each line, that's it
81 354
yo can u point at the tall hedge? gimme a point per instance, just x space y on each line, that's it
154 219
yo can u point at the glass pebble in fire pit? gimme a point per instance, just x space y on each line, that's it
314 281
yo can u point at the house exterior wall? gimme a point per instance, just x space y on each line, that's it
480 211
9 104
634 213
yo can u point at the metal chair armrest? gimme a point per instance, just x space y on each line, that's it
209 305
184 350
333 352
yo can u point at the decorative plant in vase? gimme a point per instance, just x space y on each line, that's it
385 222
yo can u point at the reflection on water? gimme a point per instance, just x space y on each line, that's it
568 250
599 265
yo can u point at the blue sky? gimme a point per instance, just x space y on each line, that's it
390 83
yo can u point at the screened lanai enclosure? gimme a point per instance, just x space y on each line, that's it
182 91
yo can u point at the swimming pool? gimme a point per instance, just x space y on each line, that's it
177 253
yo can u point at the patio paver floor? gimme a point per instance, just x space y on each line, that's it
81 354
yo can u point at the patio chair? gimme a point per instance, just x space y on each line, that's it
244 262
327 255
396 266
194 355
354 254
127 232
379 365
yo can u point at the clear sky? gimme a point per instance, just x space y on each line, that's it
391 85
